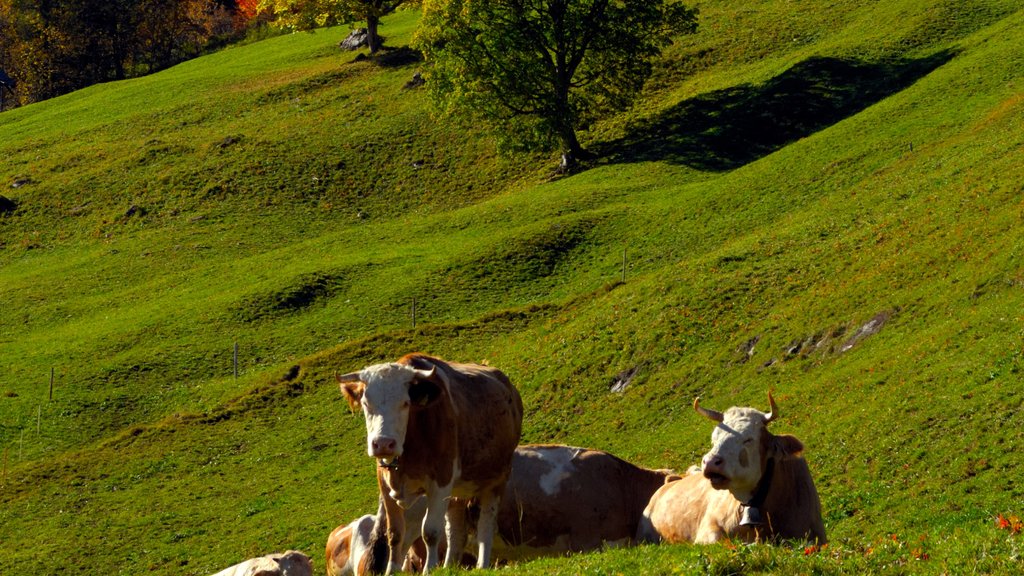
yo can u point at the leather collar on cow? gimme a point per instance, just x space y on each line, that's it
751 510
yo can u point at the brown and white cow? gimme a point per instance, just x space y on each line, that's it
346 546
752 486
562 499
443 430
290 563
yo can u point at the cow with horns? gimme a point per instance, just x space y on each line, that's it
752 486
443 430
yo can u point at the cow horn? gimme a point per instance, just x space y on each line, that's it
351 377
774 414
425 374
709 414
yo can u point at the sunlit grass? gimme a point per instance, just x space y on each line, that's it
295 203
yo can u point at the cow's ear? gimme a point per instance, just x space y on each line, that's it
353 392
671 476
786 445
424 392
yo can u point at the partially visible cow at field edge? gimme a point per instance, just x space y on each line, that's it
346 546
443 430
558 500
753 486
291 563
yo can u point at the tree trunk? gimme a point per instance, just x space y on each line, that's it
564 118
372 38
572 152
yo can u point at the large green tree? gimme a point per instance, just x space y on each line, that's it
309 14
539 70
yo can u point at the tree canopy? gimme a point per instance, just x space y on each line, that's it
51 48
309 14
539 70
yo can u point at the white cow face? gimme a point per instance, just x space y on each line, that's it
740 447
738 451
386 393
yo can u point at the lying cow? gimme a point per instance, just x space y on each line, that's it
291 563
442 430
349 550
558 500
347 545
562 499
752 486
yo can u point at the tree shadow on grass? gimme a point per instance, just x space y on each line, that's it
726 129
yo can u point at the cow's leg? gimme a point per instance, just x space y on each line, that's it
415 558
396 535
374 559
395 516
455 530
433 523
485 527
709 531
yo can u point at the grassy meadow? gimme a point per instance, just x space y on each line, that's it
822 199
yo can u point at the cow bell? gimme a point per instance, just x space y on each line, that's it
751 516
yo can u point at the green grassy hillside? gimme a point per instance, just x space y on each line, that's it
823 199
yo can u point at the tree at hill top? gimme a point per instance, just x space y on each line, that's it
537 71
309 14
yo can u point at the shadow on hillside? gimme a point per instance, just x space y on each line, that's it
389 57
726 129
